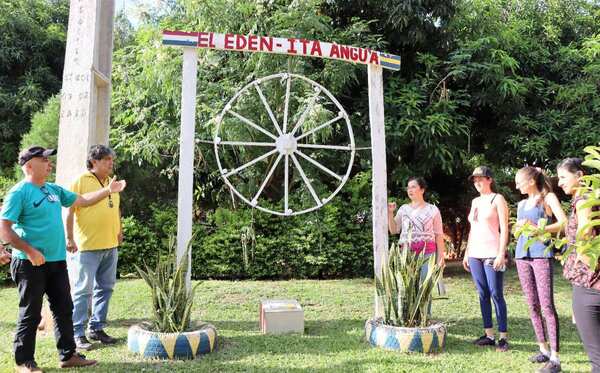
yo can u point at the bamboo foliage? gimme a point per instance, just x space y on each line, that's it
588 237
404 296
171 301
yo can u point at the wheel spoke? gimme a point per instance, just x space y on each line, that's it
264 184
246 143
255 160
330 147
296 131
268 108
306 181
286 184
288 84
252 124
319 127
311 103
328 171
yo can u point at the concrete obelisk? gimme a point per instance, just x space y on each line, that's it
85 94
86 89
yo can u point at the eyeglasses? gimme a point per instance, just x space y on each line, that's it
110 202
47 196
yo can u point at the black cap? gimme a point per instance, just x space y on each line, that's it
482 171
34 151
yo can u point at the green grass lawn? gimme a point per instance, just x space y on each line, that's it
335 313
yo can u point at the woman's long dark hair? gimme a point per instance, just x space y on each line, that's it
573 165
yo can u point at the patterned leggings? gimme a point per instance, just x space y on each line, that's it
536 276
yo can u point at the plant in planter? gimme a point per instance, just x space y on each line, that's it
406 298
171 334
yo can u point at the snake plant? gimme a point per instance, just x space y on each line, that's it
171 301
404 295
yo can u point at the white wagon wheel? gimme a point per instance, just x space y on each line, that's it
287 143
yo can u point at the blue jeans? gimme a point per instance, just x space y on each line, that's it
94 278
490 285
423 274
425 267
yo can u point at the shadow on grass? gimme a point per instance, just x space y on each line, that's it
345 334
241 348
125 323
311 327
321 336
206 364
461 333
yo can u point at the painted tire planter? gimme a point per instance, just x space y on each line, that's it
431 339
186 345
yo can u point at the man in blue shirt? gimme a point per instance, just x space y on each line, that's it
31 222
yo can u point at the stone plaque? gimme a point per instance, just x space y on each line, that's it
281 316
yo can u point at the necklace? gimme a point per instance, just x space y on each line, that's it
110 202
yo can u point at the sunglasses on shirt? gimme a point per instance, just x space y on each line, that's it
47 196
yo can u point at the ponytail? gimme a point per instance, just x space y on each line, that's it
542 182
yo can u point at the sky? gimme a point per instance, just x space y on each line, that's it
131 8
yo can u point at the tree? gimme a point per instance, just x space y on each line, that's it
146 95
480 79
32 48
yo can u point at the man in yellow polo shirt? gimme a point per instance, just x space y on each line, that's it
94 238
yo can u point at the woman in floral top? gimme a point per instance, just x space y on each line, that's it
577 269
418 222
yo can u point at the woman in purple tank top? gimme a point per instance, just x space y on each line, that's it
535 263
577 267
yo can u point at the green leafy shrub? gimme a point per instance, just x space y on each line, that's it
44 126
140 244
586 245
5 184
245 243
44 129
324 244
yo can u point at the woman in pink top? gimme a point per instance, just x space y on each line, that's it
418 222
485 257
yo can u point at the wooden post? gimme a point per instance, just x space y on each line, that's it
379 178
186 156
